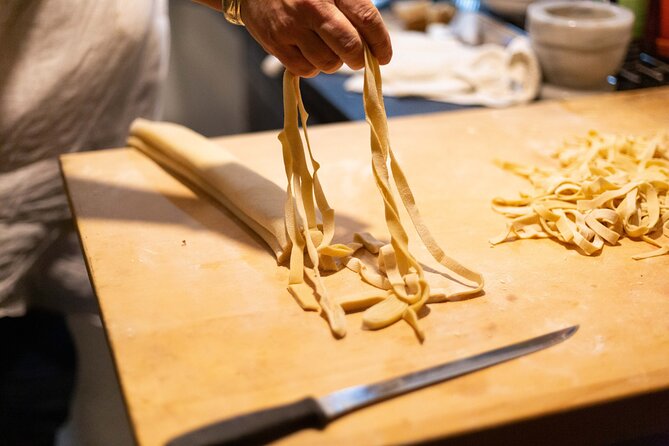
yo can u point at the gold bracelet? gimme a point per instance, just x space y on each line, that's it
232 11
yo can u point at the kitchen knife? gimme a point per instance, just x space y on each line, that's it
266 425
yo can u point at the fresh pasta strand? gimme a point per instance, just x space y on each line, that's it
414 291
301 221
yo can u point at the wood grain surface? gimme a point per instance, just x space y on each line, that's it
202 327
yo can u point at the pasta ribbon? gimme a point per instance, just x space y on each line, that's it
301 223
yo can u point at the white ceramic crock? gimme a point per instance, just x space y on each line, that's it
579 43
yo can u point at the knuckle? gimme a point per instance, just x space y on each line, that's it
282 25
368 16
351 45
352 52
302 4
311 7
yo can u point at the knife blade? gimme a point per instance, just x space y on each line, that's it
263 426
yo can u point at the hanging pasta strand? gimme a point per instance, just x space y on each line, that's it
412 290
301 223
472 278
403 288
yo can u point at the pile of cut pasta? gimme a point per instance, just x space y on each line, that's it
606 187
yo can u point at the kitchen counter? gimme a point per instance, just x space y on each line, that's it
201 325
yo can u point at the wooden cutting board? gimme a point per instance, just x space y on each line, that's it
201 326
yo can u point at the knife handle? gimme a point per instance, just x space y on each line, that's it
258 427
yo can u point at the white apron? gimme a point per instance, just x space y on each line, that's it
73 75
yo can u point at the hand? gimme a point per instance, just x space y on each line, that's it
309 36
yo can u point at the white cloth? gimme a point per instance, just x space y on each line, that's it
438 66
73 75
441 68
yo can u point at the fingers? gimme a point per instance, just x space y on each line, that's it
309 58
368 21
309 36
292 58
341 36
318 53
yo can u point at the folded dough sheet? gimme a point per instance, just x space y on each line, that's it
254 199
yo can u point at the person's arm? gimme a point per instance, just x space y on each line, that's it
214 4
309 36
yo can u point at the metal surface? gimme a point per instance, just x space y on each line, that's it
346 400
640 70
